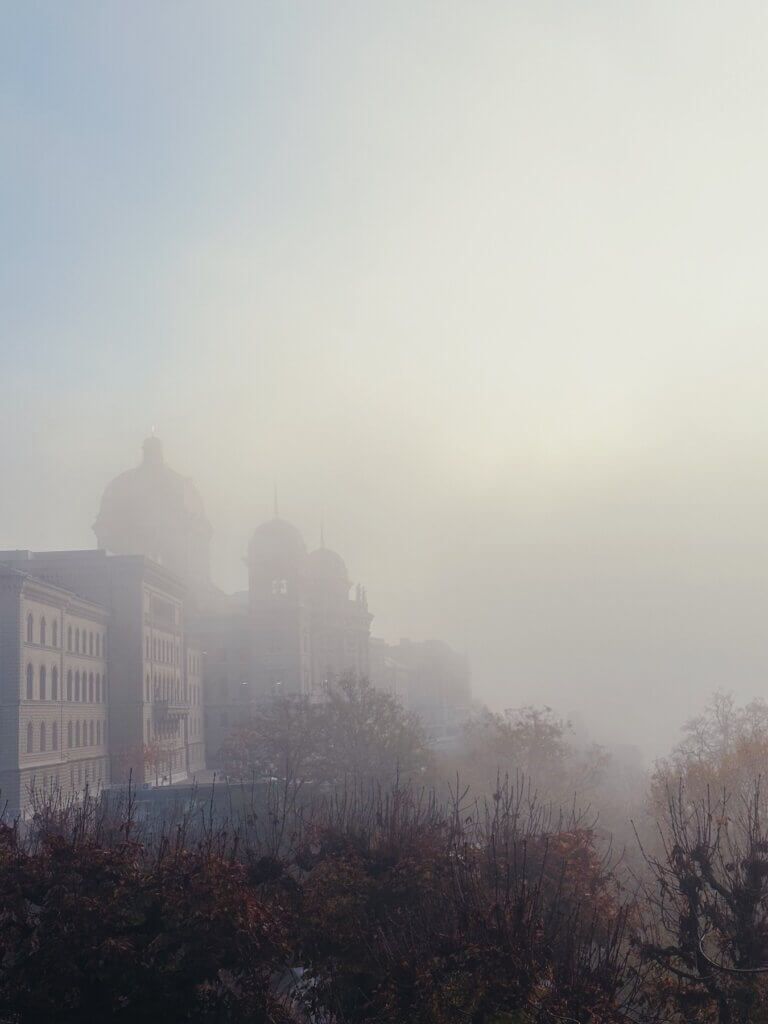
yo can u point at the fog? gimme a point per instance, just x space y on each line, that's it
480 286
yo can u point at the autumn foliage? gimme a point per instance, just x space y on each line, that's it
96 925
369 899
371 904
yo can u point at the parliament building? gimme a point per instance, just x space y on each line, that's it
127 660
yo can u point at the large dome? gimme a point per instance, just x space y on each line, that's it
154 511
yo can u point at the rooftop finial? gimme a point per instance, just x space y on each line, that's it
153 450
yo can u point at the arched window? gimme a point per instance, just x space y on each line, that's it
77 733
43 738
29 682
55 736
90 733
147 682
90 644
55 633
98 688
104 689
69 685
77 686
98 733
98 645
54 683
69 735
77 641
90 687
42 683
42 631
29 737
30 629
69 638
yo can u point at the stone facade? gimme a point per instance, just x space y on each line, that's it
225 641
154 671
54 691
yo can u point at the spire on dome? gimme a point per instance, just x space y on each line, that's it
153 450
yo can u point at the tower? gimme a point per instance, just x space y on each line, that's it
277 578
339 627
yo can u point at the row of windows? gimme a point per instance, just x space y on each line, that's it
87 734
82 772
90 687
91 642
171 730
165 688
165 651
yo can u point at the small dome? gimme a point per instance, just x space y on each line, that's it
326 564
277 539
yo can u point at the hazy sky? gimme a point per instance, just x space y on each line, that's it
485 281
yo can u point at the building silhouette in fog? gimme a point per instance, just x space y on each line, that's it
300 625
153 511
306 631
177 662
296 631
430 679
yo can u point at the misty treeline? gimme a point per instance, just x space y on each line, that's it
339 877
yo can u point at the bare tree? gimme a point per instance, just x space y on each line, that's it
706 923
